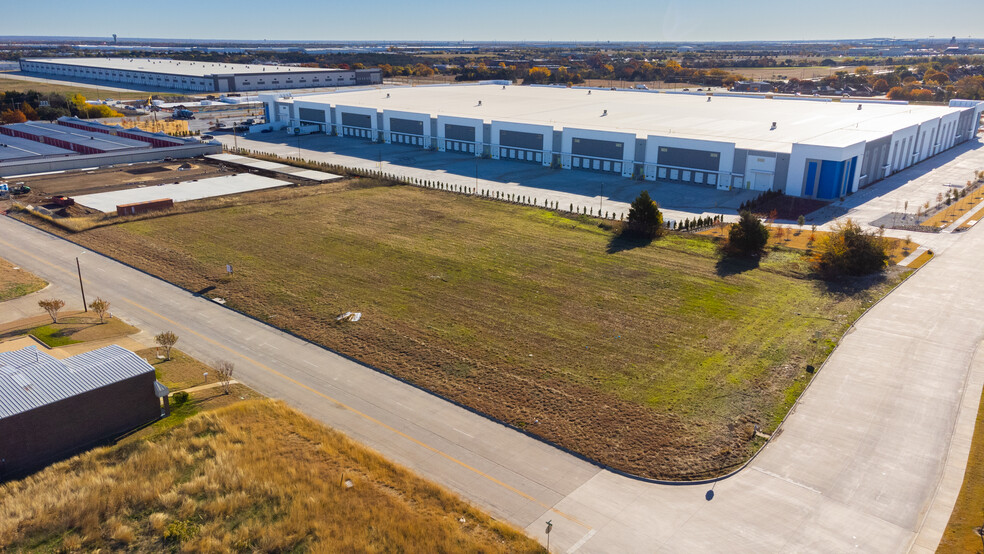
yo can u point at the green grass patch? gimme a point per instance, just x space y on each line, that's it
52 337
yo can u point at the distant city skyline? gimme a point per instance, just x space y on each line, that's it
505 20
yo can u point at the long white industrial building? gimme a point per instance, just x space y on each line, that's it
805 147
197 76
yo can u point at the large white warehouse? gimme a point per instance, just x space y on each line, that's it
805 147
197 76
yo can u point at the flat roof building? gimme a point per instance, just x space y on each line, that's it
196 75
51 408
805 147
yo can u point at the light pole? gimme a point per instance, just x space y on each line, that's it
78 266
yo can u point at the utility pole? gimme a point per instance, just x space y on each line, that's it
78 266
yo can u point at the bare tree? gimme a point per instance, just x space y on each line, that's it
101 307
223 371
52 305
166 340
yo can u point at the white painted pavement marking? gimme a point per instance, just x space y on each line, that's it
587 536
786 479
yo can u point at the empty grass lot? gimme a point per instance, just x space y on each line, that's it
255 476
17 282
658 360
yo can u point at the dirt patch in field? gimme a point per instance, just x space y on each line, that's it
120 177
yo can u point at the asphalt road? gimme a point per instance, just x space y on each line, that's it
859 465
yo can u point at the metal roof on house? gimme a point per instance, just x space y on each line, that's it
30 378
15 148
94 139
745 121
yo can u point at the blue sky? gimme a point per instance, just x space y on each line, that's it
508 20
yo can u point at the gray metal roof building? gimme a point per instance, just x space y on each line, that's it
30 378
16 148
197 75
51 408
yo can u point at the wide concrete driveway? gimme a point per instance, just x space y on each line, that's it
859 466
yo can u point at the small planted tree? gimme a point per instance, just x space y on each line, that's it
800 221
224 370
645 219
52 306
100 307
747 237
166 340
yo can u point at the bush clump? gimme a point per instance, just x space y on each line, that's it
747 237
645 219
849 250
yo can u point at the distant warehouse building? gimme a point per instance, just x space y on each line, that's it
197 76
51 408
805 147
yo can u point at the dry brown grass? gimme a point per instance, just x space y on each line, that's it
255 476
17 282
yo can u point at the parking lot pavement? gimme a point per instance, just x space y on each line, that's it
580 189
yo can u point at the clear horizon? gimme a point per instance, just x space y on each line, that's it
507 21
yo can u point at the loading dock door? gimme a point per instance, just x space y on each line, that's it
762 181
759 172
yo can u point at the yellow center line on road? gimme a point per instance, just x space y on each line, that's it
323 395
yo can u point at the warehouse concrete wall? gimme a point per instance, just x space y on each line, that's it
526 141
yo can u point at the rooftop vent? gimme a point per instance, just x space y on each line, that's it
859 106
773 126
479 102
387 95
708 98
589 93
604 113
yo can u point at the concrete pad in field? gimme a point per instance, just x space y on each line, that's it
180 192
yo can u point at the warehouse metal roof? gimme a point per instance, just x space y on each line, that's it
94 139
179 67
30 378
15 148
744 121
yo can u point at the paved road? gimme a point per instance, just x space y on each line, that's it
858 467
